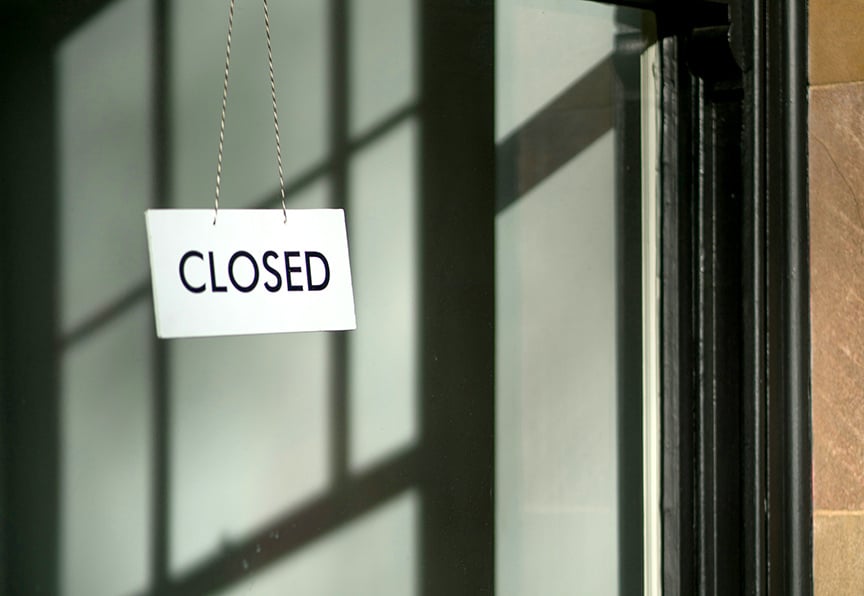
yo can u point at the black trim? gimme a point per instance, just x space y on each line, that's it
780 103
677 345
30 404
735 324
627 96
160 351
457 298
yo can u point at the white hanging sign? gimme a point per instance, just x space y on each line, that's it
250 272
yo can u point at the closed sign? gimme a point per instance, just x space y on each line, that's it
250 272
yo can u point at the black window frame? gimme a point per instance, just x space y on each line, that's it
735 329
735 345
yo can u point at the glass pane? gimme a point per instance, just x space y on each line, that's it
244 411
106 497
374 554
383 60
382 356
563 83
300 61
470 432
104 158
105 173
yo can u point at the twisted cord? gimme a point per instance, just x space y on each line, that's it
275 113
224 106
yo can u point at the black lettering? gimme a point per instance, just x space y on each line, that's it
272 287
317 287
234 257
183 280
289 270
215 286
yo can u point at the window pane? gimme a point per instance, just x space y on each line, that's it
383 350
103 79
300 63
104 156
564 193
250 432
383 60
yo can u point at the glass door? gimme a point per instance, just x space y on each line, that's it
481 430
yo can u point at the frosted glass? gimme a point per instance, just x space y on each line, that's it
375 555
383 59
105 459
556 406
383 350
104 158
250 431
556 329
300 62
104 154
542 47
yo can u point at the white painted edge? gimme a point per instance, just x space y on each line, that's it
651 439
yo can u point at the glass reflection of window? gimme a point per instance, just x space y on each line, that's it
189 464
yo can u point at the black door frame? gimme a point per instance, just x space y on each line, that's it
735 345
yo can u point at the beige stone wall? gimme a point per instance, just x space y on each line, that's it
837 292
